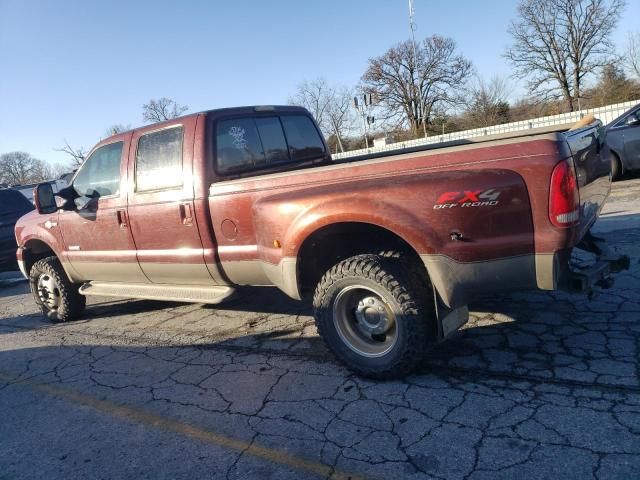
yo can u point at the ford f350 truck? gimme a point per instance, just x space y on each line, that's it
391 246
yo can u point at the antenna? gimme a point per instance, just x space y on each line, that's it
363 106
412 31
412 25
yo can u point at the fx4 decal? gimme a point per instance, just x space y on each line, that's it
468 198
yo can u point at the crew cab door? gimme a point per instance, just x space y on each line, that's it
97 238
161 207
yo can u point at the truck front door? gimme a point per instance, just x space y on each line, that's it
97 237
161 206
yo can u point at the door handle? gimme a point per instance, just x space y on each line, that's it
185 214
122 218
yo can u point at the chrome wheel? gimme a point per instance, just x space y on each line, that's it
365 322
49 291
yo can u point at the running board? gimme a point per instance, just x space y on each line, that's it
173 293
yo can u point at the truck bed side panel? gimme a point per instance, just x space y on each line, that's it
419 197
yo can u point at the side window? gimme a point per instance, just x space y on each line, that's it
238 145
100 173
159 160
274 145
304 140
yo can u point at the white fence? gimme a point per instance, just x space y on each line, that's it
606 114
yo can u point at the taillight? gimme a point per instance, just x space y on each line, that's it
564 198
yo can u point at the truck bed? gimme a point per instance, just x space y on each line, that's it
507 244
459 142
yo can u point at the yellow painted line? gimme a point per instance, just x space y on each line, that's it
206 436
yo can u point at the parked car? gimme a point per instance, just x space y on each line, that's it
623 138
390 246
12 207
58 184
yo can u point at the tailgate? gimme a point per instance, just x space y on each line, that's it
593 171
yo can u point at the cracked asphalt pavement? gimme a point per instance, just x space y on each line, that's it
537 385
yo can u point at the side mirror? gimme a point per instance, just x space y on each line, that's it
44 198
68 195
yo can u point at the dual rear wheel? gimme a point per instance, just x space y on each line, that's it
373 312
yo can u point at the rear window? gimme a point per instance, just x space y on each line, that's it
238 145
252 143
13 202
303 137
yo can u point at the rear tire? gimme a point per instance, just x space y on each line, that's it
616 167
54 293
373 316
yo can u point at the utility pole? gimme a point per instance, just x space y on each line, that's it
363 109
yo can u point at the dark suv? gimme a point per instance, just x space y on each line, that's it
13 205
623 138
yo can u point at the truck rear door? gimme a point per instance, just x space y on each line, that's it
160 205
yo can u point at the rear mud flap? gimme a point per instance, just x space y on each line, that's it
449 319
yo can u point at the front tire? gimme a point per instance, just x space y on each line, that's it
57 297
373 316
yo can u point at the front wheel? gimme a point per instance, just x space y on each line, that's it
371 314
57 297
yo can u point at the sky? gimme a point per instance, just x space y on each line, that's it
70 69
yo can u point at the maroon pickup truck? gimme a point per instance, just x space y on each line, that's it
391 246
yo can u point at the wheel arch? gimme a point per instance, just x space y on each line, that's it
618 158
329 244
35 249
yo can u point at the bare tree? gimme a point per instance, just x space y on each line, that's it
340 114
613 86
116 128
329 105
77 154
409 82
488 103
632 54
20 168
161 110
526 108
59 169
557 43
312 95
